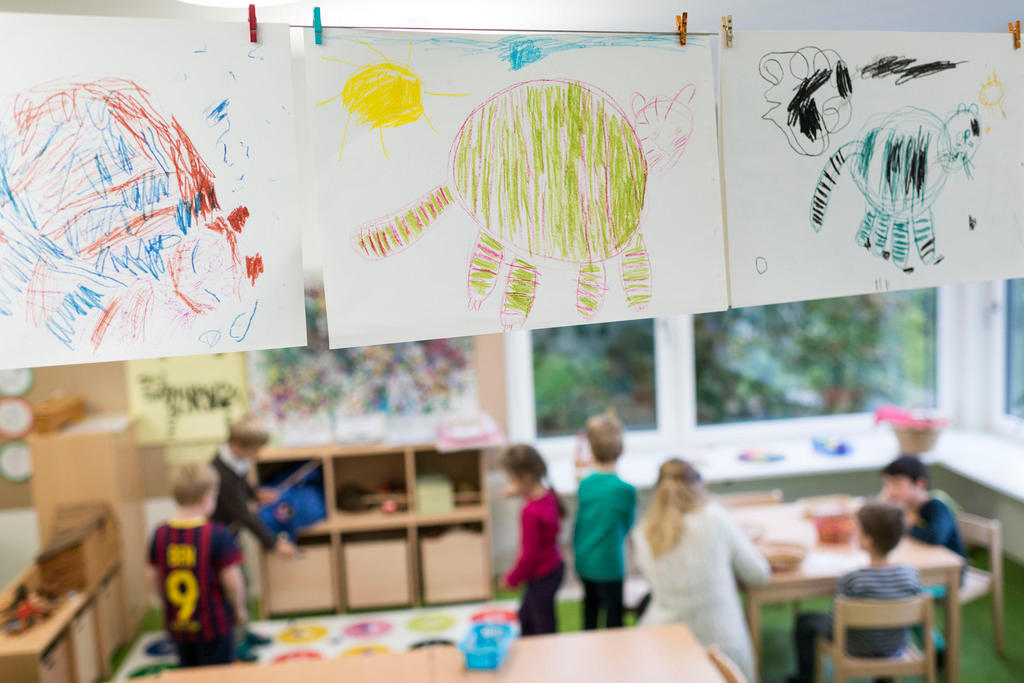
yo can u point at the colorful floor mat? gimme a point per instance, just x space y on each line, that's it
335 636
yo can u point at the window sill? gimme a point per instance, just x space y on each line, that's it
988 459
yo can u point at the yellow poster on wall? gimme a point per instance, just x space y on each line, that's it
186 399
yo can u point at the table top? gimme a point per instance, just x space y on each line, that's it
656 653
787 522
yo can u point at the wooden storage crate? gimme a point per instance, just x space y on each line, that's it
455 567
376 573
53 413
301 584
83 547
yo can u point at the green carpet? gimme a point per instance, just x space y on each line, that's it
978 660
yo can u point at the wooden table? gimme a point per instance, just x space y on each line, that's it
824 564
660 653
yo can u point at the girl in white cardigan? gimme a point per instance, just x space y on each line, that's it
692 553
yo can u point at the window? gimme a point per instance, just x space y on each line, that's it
582 370
832 356
1015 348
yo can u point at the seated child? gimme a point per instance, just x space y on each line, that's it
928 519
195 569
880 527
540 562
606 509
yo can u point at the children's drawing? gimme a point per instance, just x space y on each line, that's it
810 96
553 172
383 95
904 68
111 231
991 95
900 163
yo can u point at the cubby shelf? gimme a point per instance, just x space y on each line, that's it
329 583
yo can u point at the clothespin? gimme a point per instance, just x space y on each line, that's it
681 27
1015 32
318 28
727 31
252 24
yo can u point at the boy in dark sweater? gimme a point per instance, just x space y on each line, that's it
928 519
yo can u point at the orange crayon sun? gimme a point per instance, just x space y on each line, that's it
383 95
991 95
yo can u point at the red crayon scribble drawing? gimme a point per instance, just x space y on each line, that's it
553 172
253 267
112 230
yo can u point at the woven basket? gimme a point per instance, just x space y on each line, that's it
916 441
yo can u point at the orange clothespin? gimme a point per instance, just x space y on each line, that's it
727 31
252 24
1015 32
681 27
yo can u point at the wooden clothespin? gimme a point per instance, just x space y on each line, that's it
318 28
727 31
681 27
1015 32
252 24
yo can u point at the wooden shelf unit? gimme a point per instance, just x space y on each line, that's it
375 531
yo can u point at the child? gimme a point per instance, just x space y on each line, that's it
195 568
540 562
880 527
606 509
928 519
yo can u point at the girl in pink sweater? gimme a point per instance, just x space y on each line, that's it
540 563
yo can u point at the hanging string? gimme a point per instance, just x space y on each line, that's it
509 30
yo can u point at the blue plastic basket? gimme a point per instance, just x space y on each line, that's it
486 645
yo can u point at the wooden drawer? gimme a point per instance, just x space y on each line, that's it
455 567
110 617
376 573
302 584
85 646
56 665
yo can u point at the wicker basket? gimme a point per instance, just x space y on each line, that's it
916 441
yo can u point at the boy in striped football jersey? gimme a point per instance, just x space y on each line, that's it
195 569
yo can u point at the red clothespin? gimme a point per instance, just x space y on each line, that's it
681 27
1015 32
252 24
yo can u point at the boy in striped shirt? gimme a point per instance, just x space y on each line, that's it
881 527
195 569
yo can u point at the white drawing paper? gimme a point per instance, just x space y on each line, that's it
867 162
147 190
478 183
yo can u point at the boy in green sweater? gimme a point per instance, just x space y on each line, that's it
606 509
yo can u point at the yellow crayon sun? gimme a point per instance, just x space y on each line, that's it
383 95
992 93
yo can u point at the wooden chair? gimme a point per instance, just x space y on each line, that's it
730 672
986 533
878 614
735 500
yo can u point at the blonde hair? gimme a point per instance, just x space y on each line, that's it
679 490
192 481
248 431
604 432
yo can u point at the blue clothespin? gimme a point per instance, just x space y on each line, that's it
318 28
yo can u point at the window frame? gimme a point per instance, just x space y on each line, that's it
1000 419
676 397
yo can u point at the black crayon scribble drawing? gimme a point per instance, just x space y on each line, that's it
972 222
810 96
906 68
900 162
761 265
